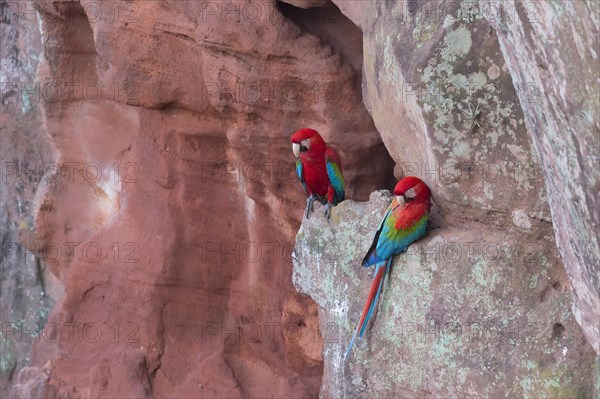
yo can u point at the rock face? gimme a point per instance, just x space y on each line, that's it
171 215
470 310
456 119
27 288
552 48
450 110
457 98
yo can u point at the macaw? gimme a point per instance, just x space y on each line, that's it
404 222
319 169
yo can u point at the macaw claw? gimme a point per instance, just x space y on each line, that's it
328 211
309 205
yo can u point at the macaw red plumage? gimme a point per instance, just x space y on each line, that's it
319 169
405 221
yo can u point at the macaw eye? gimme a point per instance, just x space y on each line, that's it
304 145
410 193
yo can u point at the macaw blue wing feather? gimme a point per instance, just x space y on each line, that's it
300 174
391 240
334 172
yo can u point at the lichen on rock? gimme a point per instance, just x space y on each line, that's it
469 310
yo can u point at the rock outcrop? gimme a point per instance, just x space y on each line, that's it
470 310
449 107
169 204
458 89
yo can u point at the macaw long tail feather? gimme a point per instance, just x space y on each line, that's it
373 306
371 302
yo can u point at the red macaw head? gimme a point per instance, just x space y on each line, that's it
411 188
309 141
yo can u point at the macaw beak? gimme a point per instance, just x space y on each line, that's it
296 149
400 199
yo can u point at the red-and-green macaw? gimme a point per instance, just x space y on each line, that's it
404 222
319 169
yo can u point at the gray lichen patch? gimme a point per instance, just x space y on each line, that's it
440 91
457 43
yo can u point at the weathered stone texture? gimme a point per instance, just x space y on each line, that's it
177 184
470 310
551 50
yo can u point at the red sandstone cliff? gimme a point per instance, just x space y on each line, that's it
163 216
175 204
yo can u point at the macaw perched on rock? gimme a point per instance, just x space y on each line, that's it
404 222
319 169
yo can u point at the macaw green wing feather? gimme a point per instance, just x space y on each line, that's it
396 232
334 172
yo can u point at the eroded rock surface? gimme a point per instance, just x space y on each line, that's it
449 110
470 310
175 204
458 89
552 50
27 288
176 201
